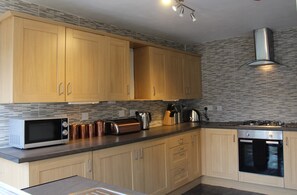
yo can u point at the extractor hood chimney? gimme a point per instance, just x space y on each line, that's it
263 40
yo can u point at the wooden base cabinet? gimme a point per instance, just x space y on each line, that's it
29 174
220 153
195 155
290 159
140 167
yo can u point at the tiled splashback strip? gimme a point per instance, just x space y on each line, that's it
249 92
103 110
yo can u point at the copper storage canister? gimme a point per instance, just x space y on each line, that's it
74 132
84 131
100 128
91 130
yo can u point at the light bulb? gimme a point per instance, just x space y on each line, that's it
166 2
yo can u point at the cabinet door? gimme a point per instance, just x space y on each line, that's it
174 75
39 65
157 58
221 153
153 158
192 77
61 167
290 159
85 66
114 166
195 156
118 70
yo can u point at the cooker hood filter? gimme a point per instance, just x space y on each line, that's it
263 40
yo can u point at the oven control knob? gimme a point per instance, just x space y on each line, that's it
271 135
248 134
65 132
65 124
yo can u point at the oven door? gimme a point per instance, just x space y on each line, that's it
261 156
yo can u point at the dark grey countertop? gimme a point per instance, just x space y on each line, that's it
97 143
72 185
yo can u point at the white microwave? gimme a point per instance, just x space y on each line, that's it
38 132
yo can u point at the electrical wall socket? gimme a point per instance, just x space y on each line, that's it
219 108
209 107
132 112
84 116
122 113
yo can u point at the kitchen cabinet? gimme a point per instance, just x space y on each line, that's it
220 153
118 70
153 163
174 75
290 159
85 66
115 166
179 161
140 167
195 157
32 65
38 172
192 77
166 75
149 73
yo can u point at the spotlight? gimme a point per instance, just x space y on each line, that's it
181 11
181 6
175 7
193 17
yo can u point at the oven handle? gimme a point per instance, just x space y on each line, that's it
272 142
246 141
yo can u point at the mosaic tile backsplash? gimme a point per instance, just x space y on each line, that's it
248 92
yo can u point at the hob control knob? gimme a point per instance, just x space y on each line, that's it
65 124
65 132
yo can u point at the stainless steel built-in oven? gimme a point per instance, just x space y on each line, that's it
261 152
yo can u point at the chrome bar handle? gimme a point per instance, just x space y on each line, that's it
234 138
61 88
287 141
272 142
246 141
69 88
154 91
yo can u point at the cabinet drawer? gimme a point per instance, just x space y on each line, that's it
178 154
179 140
179 176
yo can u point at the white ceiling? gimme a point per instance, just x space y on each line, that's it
216 19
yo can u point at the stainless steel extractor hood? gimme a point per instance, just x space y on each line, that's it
264 51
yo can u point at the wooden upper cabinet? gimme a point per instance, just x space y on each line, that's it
32 64
118 72
174 75
166 75
192 77
149 73
85 66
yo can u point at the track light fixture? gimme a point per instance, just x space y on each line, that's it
181 6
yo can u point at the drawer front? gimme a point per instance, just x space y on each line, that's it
179 176
179 140
177 155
